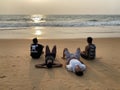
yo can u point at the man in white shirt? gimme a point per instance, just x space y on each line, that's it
73 62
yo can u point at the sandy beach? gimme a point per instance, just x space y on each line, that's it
17 71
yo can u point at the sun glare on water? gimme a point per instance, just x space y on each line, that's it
38 31
36 18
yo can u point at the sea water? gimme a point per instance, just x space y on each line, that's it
59 26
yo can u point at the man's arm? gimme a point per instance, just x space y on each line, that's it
57 65
67 62
40 65
82 62
86 49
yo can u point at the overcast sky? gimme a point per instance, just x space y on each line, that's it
59 6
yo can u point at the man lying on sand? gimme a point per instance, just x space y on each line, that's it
73 62
49 59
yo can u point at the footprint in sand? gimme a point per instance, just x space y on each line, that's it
3 76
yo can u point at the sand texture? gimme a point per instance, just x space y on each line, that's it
18 72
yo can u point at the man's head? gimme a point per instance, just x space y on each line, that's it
49 63
89 40
78 71
35 41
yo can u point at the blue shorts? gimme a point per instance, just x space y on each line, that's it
71 55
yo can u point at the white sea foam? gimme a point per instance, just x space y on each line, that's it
59 26
21 21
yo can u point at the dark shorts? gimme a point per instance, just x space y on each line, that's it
35 55
50 54
86 57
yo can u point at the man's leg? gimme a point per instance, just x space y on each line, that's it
54 51
47 52
66 54
83 55
77 53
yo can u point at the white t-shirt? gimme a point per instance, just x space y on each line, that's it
73 63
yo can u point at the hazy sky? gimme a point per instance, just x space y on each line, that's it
59 6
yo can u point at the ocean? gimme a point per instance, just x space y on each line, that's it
59 26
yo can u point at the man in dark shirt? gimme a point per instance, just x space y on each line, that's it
90 50
49 59
36 49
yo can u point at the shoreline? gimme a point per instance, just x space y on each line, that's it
59 38
61 32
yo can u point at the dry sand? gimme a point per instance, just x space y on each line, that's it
17 71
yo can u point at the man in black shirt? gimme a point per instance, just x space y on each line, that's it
36 49
90 50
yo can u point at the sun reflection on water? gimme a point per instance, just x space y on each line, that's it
37 18
38 31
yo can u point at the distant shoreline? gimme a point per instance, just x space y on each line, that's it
61 32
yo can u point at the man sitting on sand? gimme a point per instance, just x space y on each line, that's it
36 49
73 62
49 59
90 50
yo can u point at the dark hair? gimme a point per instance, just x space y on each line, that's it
89 39
35 40
49 65
79 73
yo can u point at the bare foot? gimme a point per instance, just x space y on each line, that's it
63 57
